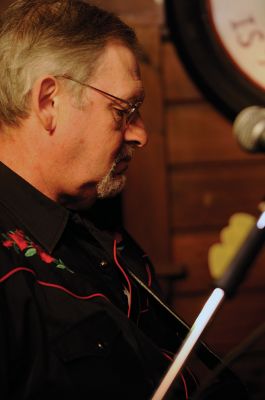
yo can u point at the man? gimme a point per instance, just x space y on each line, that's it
73 323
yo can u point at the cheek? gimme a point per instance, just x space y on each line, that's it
96 156
104 144
103 155
91 141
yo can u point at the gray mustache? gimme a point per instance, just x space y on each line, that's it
126 154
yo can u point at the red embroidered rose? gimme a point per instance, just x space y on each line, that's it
8 243
44 256
18 238
19 241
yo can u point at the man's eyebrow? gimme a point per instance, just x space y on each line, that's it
139 97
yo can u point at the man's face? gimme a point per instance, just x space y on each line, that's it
92 148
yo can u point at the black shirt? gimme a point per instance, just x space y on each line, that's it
72 323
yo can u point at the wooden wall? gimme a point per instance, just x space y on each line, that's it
209 179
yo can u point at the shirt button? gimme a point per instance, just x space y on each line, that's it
103 263
100 345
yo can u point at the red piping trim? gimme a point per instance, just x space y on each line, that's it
52 285
182 377
125 276
185 386
13 271
167 356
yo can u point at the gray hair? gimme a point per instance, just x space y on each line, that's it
57 37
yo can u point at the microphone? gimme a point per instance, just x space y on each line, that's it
249 129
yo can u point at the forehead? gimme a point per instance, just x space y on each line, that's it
119 71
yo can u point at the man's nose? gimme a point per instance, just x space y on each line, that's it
136 133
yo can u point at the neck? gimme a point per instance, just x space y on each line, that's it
18 151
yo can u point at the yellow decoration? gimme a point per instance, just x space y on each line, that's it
231 239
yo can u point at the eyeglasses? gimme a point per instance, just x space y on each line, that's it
128 114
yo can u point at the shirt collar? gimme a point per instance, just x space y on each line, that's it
42 217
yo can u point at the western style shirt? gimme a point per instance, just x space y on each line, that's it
72 322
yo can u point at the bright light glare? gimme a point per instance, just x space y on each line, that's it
261 221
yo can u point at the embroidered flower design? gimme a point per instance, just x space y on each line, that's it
15 238
22 243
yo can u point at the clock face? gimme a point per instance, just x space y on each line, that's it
240 27
222 44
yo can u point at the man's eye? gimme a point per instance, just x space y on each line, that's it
120 117
120 113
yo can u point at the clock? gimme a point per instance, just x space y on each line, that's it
222 45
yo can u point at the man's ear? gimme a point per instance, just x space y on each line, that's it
44 97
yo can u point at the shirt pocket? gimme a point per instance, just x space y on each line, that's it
93 336
98 362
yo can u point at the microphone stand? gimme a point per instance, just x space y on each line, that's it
225 287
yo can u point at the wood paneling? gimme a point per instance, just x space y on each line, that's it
233 322
152 109
176 83
204 196
4 4
149 38
190 251
209 179
145 202
135 12
145 199
197 132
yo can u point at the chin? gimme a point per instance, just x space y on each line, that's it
110 187
77 202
